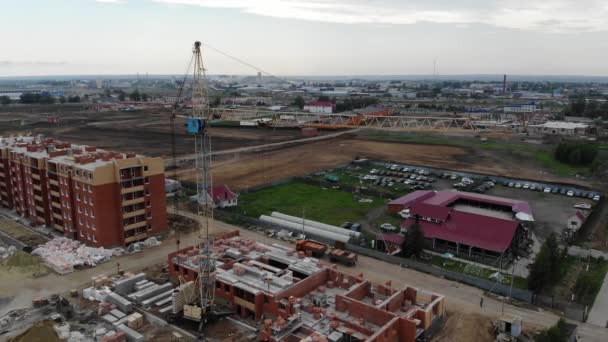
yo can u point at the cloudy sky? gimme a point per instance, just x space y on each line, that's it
305 37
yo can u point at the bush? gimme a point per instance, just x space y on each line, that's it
576 153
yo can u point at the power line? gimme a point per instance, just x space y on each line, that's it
247 64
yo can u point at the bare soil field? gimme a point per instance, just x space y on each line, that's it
242 171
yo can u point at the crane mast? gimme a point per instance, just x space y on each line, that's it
198 125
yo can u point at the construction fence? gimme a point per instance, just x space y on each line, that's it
487 285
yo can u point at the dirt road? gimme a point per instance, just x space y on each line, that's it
460 299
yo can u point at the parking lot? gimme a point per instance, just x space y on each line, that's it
552 204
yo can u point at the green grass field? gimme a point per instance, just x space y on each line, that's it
483 273
324 205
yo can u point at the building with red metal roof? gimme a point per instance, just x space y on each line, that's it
466 224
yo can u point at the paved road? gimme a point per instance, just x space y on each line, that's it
169 161
459 298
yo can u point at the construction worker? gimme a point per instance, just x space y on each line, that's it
481 302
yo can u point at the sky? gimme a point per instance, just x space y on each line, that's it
305 37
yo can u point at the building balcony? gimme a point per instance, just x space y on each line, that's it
136 225
58 227
136 237
53 181
131 189
4 193
40 219
2 174
35 176
54 193
40 209
2 182
36 187
57 216
56 205
38 198
133 201
134 213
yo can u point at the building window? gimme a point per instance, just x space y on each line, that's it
148 204
145 168
88 236
81 233
76 185
91 200
86 211
78 197
90 188
79 209
94 238
80 220
92 213
149 214
147 180
93 226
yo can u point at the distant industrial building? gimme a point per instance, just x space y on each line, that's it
523 108
560 128
98 197
324 107
466 224
301 299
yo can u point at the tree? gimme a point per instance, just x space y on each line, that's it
122 95
216 101
299 102
5 100
323 98
62 99
144 97
74 99
545 270
135 96
557 333
414 240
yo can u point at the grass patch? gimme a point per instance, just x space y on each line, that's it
479 272
589 283
325 205
557 167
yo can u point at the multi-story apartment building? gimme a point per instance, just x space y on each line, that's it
99 197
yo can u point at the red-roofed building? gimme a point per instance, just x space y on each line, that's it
224 197
468 225
324 107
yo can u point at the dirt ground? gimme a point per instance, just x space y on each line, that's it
466 328
39 332
21 233
242 171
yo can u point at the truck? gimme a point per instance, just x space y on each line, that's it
345 257
316 248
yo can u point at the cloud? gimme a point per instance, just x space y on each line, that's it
112 1
532 15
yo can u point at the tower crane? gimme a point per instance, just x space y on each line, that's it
198 124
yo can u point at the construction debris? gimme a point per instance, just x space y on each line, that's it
62 255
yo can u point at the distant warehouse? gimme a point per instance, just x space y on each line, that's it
560 128
466 224
98 197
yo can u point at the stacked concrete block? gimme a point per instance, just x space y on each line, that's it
121 303
132 335
160 297
126 285
140 296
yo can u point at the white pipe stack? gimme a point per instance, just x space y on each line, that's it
304 229
315 224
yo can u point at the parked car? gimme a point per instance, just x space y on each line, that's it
570 193
511 184
346 225
563 191
356 227
555 190
596 198
533 187
526 186
518 185
548 190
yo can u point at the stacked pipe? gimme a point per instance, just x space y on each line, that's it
304 229
315 224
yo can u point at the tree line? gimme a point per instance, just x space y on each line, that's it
576 153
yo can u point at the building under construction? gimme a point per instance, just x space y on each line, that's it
297 298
